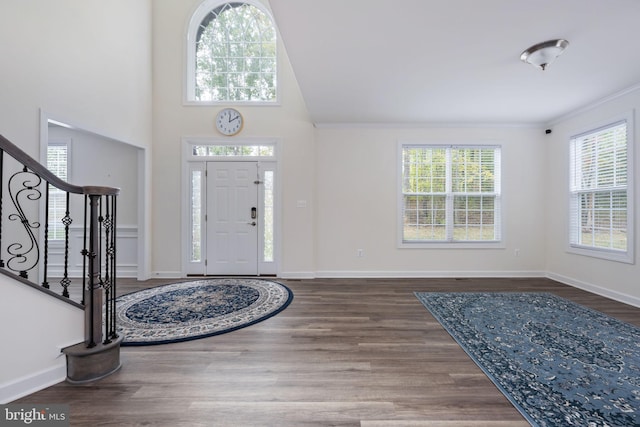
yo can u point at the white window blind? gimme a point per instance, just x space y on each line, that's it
599 191
450 194
57 163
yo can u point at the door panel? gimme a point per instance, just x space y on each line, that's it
232 235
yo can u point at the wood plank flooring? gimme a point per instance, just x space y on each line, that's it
346 352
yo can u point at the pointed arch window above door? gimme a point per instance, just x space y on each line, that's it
231 53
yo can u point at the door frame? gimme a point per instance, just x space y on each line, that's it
191 162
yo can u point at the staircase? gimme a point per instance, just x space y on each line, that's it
25 187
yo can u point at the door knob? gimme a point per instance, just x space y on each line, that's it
252 223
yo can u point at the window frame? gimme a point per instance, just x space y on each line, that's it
201 11
53 191
625 256
266 164
452 244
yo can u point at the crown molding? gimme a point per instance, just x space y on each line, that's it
594 104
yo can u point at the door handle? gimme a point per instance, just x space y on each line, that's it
254 213
252 223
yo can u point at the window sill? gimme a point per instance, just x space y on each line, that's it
191 103
451 245
605 254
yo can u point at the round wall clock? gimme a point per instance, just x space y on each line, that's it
229 121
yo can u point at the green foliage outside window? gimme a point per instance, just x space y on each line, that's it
450 194
236 55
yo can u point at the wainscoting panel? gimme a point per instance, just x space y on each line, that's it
126 256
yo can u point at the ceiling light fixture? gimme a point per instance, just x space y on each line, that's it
542 54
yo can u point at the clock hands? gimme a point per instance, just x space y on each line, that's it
229 121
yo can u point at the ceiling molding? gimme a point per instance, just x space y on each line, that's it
594 104
430 125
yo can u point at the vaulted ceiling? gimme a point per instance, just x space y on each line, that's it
456 61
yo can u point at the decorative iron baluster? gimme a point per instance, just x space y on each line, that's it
106 284
84 252
23 187
45 283
66 220
97 356
100 240
112 257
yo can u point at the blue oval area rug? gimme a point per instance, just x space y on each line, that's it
191 310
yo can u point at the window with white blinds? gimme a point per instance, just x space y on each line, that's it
57 162
450 194
600 197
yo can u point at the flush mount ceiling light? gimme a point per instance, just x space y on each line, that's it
542 54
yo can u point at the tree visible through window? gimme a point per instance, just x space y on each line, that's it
599 189
450 194
235 55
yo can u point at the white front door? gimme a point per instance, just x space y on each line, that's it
232 218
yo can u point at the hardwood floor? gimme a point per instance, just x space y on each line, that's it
346 352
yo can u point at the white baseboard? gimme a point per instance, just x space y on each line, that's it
166 275
425 274
32 383
594 289
299 275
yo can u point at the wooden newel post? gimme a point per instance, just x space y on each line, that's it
93 297
94 358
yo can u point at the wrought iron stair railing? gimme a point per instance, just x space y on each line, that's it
25 188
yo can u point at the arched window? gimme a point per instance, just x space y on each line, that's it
231 53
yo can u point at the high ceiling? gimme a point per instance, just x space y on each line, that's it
456 61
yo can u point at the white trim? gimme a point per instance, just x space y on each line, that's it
167 275
482 125
593 105
492 244
30 384
429 125
426 274
188 158
268 267
126 262
595 289
144 187
297 275
188 265
627 256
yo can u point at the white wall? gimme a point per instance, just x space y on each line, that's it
85 62
613 279
288 122
33 335
117 167
357 194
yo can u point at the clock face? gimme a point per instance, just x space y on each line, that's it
229 121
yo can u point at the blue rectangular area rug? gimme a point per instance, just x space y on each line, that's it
559 363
